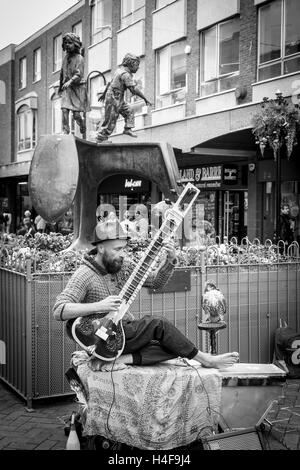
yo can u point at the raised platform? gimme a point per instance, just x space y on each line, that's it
247 390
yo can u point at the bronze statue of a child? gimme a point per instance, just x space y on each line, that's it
72 87
115 103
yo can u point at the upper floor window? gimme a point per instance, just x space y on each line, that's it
132 10
22 72
101 20
279 39
56 116
57 53
220 53
77 29
171 75
37 65
26 128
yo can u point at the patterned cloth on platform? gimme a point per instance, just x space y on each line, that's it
154 407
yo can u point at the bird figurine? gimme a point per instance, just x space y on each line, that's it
213 303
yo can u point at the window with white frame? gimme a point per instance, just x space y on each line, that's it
37 65
279 39
57 53
220 57
77 29
132 11
56 116
171 75
101 17
26 118
22 72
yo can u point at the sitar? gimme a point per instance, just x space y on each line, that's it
104 337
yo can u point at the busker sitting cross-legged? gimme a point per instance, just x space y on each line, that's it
94 290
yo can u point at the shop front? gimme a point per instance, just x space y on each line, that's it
290 194
119 193
223 197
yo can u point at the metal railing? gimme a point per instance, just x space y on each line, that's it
261 284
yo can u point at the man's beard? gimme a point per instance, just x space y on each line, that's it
112 266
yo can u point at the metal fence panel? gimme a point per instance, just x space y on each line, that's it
13 329
39 351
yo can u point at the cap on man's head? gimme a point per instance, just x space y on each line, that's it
109 230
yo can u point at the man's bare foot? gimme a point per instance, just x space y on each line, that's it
219 361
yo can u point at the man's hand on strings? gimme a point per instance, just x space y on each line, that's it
169 247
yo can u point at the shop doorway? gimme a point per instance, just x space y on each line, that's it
234 214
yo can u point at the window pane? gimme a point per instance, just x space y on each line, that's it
178 66
101 20
269 72
292 39
126 7
209 88
270 32
292 65
77 29
209 54
22 73
56 117
37 65
163 71
57 53
229 44
227 83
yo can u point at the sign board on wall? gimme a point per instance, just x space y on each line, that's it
124 184
210 176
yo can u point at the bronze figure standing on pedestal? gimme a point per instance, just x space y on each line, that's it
115 103
72 87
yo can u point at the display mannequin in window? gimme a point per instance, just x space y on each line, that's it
72 88
114 98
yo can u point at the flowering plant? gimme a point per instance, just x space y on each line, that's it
278 123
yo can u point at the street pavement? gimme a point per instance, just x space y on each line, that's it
43 429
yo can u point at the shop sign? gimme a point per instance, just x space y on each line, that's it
131 183
124 184
204 176
230 175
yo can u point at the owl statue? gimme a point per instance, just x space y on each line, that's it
213 303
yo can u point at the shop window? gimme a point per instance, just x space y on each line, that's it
279 39
56 116
37 65
220 57
132 11
26 118
22 72
290 196
101 17
77 29
57 53
171 75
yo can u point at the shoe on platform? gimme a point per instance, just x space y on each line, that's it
129 132
101 138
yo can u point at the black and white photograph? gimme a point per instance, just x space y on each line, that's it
149 228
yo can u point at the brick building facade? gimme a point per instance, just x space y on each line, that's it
205 66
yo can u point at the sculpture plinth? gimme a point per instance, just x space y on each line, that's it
76 167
